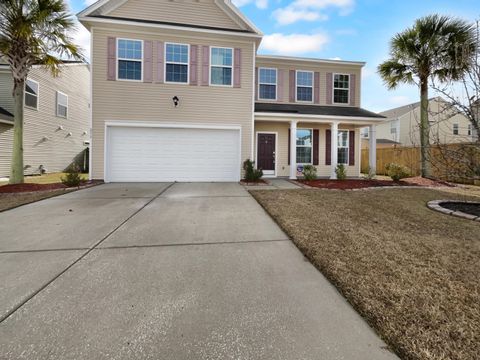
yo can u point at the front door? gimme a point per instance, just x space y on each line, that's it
266 153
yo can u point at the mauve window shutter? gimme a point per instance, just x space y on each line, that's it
328 147
256 83
147 61
289 134
280 80
112 58
316 136
329 88
316 87
351 148
237 66
193 64
291 86
160 61
205 65
352 89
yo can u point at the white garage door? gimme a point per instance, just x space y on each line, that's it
143 154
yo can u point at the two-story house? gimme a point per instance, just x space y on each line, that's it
180 94
56 118
402 125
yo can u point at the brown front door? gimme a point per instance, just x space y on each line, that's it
266 153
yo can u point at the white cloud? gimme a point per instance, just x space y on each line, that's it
399 100
261 4
310 10
293 44
81 37
89 2
336 58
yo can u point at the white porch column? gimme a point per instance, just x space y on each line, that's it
293 150
334 150
372 149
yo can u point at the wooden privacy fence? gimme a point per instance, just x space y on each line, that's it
448 162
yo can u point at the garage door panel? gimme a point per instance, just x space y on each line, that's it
165 154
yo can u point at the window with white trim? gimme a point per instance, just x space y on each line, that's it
364 133
31 94
455 129
62 104
304 146
267 84
342 157
341 88
176 63
304 80
221 66
129 59
469 130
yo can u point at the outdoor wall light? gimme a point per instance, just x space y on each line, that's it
175 100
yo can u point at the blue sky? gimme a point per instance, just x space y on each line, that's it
339 29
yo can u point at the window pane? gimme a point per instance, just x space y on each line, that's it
31 100
343 156
221 76
304 78
221 57
267 92
130 49
31 87
62 99
177 73
304 137
62 110
341 81
304 94
177 53
340 96
268 76
130 70
343 138
304 155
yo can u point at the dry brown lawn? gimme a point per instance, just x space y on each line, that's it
412 273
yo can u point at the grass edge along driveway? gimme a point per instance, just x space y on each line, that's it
412 273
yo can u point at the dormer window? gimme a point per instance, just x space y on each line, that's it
341 88
267 84
304 86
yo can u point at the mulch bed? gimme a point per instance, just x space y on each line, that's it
349 184
30 187
468 208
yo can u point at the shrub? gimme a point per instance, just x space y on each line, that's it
341 172
397 171
72 178
251 174
309 172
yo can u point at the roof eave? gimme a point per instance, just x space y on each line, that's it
331 118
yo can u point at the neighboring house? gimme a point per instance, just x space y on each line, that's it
180 94
403 125
56 118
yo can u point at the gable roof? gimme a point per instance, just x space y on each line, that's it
402 110
102 8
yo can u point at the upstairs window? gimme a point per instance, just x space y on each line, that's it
304 146
341 88
455 129
176 63
221 66
267 83
130 58
31 94
62 104
343 147
469 130
304 86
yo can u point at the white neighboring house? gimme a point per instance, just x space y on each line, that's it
56 118
402 126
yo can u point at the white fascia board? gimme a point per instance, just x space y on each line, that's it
238 13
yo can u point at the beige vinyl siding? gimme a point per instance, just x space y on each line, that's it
323 170
6 88
152 102
6 138
323 69
204 12
60 149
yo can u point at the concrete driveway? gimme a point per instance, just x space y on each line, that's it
166 271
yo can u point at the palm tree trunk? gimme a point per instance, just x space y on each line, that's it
424 129
16 171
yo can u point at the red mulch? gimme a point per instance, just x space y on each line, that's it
364 183
29 187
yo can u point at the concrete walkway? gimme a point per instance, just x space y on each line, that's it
166 271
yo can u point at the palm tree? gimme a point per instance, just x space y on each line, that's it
434 48
32 32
